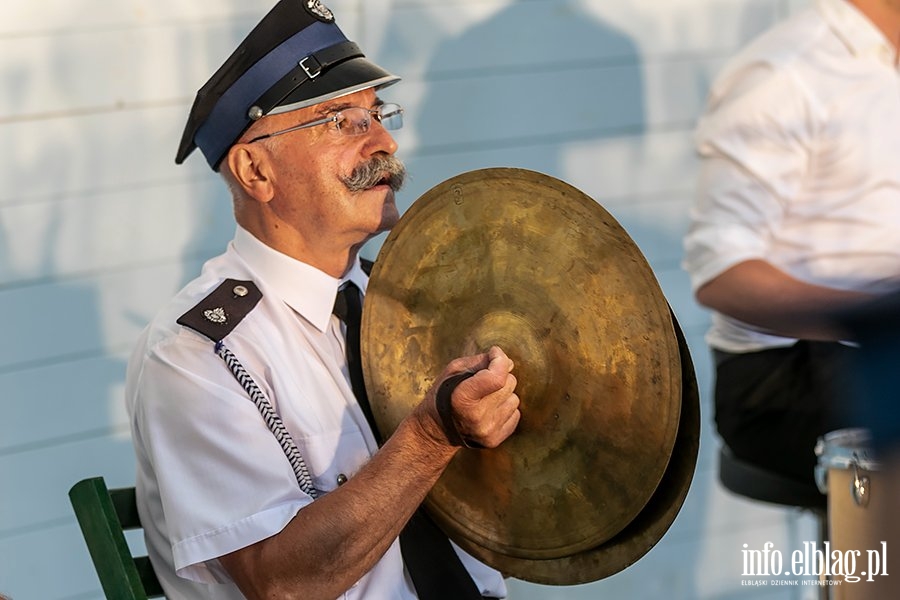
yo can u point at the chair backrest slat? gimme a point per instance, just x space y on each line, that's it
126 507
103 516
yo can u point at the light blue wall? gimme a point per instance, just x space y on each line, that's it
98 226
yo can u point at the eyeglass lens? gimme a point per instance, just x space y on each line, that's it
356 120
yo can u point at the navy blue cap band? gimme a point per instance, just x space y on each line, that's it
229 118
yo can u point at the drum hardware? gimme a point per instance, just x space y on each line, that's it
860 486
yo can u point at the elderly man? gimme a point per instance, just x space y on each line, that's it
260 471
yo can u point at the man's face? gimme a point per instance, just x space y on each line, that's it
311 168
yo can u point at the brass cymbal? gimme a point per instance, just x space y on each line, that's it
642 534
524 261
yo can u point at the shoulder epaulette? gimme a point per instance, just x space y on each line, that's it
220 312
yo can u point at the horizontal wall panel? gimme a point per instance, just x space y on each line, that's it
91 71
109 230
572 105
688 26
656 226
613 169
51 563
38 17
494 35
82 155
80 397
67 318
126 67
142 53
60 157
85 232
37 483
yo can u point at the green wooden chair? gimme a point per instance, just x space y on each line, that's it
104 515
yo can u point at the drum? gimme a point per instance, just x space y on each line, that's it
855 555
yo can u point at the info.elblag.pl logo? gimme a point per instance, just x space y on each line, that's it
829 566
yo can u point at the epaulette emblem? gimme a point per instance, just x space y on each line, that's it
220 312
216 315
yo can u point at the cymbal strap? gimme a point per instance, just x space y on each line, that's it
443 403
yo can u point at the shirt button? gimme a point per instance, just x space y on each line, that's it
341 479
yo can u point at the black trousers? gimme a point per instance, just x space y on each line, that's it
771 406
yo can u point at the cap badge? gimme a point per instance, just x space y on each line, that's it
216 315
319 10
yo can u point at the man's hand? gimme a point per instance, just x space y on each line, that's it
483 409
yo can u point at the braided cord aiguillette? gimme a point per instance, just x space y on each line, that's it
273 421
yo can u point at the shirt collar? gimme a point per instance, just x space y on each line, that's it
306 289
855 29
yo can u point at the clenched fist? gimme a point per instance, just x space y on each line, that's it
474 401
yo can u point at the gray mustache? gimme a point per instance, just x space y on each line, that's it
382 168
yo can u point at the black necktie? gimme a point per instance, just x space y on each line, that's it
348 308
434 567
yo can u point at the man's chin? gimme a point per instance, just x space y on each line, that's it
389 213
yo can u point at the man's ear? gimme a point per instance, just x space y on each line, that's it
251 170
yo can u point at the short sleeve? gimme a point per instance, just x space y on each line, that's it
224 481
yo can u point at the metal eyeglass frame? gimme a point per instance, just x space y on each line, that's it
383 113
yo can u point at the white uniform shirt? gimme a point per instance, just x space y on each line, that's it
211 477
800 151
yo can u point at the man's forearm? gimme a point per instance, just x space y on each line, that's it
331 543
761 295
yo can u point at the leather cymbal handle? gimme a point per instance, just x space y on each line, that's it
445 409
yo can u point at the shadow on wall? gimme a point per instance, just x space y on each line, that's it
516 87
211 206
58 376
78 280
55 370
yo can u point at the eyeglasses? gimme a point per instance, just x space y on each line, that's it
353 120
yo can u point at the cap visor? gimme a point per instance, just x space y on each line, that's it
345 78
